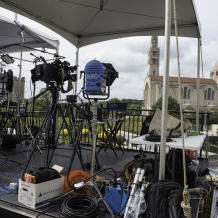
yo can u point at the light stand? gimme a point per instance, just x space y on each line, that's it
97 76
94 135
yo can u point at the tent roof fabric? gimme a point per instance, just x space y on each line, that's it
10 39
84 22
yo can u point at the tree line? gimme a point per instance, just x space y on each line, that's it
134 105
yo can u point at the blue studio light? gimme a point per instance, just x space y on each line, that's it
98 76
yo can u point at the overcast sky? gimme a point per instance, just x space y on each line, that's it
129 55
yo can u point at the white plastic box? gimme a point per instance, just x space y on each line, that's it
36 195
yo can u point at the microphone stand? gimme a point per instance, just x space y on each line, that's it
36 59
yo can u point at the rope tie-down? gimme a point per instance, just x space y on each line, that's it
185 204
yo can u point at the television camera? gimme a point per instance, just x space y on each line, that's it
58 71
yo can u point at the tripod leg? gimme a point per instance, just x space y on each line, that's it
28 162
10 121
51 157
3 162
77 150
72 159
102 198
64 121
32 137
97 162
8 160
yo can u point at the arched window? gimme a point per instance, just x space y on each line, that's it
189 94
209 93
205 94
174 93
212 95
185 92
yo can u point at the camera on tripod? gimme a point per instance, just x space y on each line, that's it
58 71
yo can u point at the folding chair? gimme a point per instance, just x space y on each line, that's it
116 115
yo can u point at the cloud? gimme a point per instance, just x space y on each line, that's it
129 56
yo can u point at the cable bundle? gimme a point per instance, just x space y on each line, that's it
45 174
76 176
81 206
6 179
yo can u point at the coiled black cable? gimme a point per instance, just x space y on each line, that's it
85 206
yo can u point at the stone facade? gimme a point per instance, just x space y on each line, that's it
12 96
153 56
153 87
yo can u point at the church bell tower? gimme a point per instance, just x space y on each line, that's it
153 57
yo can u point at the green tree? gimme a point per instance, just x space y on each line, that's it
42 103
135 109
214 118
173 105
114 100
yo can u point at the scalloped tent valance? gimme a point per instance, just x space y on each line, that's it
84 22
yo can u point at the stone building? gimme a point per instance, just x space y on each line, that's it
153 86
12 96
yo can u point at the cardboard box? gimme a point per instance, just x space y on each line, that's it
36 195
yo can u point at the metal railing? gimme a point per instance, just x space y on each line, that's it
130 128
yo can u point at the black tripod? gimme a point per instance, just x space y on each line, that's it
56 108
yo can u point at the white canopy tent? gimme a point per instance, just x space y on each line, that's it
91 22
10 39
84 22
16 37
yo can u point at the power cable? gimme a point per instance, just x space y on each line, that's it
82 206
47 210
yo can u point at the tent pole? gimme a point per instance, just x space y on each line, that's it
15 17
76 63
198 86
75 87
165 89
21 57
57 48
19 95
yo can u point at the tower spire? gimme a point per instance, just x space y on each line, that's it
153 57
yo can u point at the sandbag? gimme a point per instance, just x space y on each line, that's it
173 124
